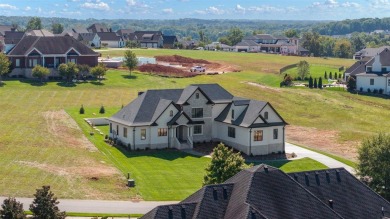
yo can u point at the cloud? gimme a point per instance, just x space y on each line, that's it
239 8
379 3
98 5
211 10
264 9
168 10
27 8
131 2
8 6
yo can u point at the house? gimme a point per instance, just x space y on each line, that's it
110 40
176 118
73 32
189 44
218 46
42 32
11 38
169 42
92 40
4 28
124 32
49 52
372 74
262 192
98 28
368 52
150 39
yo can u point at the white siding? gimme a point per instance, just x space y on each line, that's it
363 81
272 116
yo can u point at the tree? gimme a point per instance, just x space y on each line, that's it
40 72
235 35
310 82
202 37
287 81
342 49
325 75
44 205
132 44
12 209
84 69
303 69
99 71
82 110
330 75
57 28
130 60
4 65
68 70
34 24
102 110
339 75
290 33
374 163
320 83
315 83
224 164
312 42
225 40
351 83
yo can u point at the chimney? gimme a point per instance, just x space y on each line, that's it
265 168
330 203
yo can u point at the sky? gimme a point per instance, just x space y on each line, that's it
203 9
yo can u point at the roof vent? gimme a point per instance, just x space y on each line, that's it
327 176
330 203
215 193
318 178
253 214
307 179
338 175
225 194
266 168
295 177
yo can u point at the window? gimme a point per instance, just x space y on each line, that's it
143 134
117 129
197 95
198 130
369 69
231 132
383 69
232 114
258 135
17 62
372 81
265 115
110 127
275 133
162 132
124 132
171 113
197 112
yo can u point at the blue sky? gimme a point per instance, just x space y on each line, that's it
204 9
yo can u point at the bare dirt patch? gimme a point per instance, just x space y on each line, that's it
325 140
181 59
166 71
61 125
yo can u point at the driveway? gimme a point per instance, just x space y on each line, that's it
327 161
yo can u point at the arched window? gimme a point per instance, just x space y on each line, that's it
171 113
265 115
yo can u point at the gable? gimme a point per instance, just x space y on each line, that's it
272 114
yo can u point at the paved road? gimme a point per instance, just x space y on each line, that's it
99 206
327 161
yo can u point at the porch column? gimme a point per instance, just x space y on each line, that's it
43 61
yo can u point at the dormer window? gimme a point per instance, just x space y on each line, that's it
266 115
232 114
197 95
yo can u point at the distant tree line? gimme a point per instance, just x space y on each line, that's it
350 26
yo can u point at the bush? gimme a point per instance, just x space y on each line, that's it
82 111
375 91
361 89
381 91
102 110
369 90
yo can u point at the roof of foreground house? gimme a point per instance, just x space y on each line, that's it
13 37
264 192
50 45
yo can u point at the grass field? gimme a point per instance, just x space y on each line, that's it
40 145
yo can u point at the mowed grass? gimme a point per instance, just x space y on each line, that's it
35 153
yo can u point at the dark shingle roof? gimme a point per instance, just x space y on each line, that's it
357 68
86 36
108 36
169 40
13 37
359 202
123 32
247 43
97 28
4 28
384 57
50 45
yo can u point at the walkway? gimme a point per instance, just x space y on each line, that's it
100 206
327 161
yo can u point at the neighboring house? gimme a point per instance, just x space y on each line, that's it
42 32
303 52
247 46
4 28
218 46
176 118
368 52
262 192
73 32
124 32
169 42
150 39
189 44
11 38
374 76
111 40
98 28
90 39
49 52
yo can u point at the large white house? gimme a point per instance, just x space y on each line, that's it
176 118
372 74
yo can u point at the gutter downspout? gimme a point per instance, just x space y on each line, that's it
169 136
134 137
284 142
250 142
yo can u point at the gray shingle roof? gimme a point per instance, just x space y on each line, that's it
50 45
357 68
108 36
97 28
4 28
86 36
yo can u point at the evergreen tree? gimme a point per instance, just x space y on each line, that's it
326 75
315 83
102 110
12 209
224 164
339 75
82 111
330 75
310 82
320 83
44 205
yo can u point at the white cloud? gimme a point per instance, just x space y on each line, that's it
8 6
27 8
39 10
239 8
131 2
379 3
98 5
264 9
168 10
350 5
214 10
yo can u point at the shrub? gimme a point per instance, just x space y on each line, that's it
368 90
106 137
375 91
82 111
102 110
381 91
361 89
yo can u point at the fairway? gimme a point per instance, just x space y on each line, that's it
41 145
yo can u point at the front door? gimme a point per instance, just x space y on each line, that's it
181 133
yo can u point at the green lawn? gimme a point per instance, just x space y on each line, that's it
41 146
316 71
